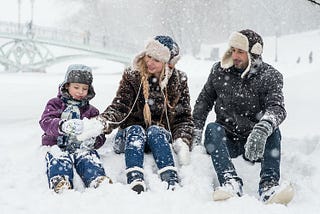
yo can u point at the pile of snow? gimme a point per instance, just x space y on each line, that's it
24 187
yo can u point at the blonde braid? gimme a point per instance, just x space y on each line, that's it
145 84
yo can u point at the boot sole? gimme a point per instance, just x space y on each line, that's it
282 197
220 195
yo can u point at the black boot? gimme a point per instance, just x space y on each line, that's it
169 174
135 179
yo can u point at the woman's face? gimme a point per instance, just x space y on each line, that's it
154 66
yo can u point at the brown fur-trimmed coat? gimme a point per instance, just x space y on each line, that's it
178 110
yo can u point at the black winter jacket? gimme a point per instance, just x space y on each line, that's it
241 102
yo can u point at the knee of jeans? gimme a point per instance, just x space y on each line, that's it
135 137
85 154
135 129
212 132
154 130
214 129
277 134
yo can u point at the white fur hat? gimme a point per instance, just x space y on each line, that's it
246 40
164 49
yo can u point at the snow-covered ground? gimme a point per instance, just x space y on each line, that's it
23 182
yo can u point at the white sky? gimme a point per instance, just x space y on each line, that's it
46 12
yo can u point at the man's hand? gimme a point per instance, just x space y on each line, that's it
254 147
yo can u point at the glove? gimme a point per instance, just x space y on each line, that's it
72 127
92 128
197 136
254 147
88 143
182 150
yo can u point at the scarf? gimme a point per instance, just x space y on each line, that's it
72 111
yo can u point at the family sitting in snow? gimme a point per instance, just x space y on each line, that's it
151 112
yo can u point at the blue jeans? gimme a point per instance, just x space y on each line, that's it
134 141
155 138
87 164
222 149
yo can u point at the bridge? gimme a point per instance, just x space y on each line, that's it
27 48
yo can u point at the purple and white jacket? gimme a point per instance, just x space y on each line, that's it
51 118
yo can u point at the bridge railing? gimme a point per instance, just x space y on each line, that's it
78 38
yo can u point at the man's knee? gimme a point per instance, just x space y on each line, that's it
214 135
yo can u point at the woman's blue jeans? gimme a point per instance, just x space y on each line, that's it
135 140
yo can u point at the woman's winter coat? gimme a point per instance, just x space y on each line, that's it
175 117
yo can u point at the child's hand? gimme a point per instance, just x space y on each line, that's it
91 128
72 127
88 143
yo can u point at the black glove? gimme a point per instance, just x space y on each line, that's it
254 147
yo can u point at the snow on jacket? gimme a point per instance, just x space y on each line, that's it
50 120
178 110
241 102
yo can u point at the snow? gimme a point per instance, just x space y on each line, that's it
24 188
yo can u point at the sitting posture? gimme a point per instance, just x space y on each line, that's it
249 107
60 123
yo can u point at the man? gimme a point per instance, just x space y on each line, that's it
249 107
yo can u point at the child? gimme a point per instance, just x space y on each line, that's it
60 123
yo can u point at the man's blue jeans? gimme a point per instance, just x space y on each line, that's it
222 149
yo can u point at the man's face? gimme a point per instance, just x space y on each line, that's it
240 58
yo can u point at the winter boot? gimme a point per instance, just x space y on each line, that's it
169 175
60 183
135 179
100 179
229 189
273 193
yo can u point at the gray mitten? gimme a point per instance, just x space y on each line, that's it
197 136
88 143
254 147
72 127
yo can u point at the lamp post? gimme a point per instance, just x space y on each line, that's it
32 6
277 28
276 45
30 31
19 16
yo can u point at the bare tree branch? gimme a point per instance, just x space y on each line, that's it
314 2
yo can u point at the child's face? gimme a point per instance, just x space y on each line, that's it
78 91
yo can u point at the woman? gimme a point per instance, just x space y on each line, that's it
152 109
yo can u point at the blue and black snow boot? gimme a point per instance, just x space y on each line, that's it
169 174
135 179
